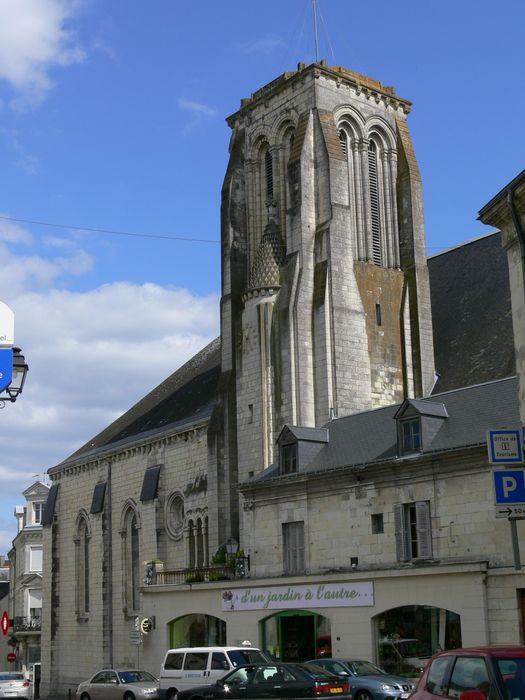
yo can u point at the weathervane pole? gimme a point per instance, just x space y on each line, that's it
314 9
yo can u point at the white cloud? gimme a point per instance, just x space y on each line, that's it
34 38
198 112
91 356
12 232
265 45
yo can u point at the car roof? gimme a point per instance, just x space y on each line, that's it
503 650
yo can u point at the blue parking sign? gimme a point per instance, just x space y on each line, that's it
509 486
6 367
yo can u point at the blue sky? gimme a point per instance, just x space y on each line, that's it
112 116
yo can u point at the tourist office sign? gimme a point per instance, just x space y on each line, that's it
316 595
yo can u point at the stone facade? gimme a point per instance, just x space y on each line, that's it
26 567
325 317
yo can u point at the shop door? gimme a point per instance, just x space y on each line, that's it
297 635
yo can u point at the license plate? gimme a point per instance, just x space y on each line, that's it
336 690
404 696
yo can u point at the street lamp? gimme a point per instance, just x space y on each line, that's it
20 370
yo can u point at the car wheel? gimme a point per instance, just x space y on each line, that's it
85 696
171 694
129 696
362 695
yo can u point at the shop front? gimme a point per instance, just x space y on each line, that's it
376 619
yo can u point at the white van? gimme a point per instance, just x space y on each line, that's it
192 666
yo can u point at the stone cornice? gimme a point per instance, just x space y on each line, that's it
144 447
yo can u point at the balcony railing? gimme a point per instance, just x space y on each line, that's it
27 624
238 567
199 574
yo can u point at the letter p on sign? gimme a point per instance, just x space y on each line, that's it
509 486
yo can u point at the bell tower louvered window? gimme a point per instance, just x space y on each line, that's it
377 257
268 169
343 140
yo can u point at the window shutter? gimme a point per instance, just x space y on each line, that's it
424 529
400 532
343 140
377 257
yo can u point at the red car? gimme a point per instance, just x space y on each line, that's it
477 673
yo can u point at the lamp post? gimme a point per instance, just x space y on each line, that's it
15 387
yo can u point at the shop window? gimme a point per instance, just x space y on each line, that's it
293 545
197 630
413 531
410 634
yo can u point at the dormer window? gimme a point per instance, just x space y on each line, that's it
37 513
419 422
289 458
411 430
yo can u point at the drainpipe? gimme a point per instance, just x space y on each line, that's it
109 561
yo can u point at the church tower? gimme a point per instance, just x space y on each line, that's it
325 305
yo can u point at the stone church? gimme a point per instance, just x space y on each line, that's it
299 482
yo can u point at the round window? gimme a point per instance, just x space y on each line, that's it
175 515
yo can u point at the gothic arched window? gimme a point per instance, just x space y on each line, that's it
268 171
375 213
82 537
131 559
343 140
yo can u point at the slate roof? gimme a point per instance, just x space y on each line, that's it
473 343
187 396
371 436
471 313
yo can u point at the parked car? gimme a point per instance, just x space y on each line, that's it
275 680
478 673
125 684
14 684
188 667
367 681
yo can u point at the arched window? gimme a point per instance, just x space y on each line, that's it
131 559
82 538
191 545
343 140
375 214
199 543
268 171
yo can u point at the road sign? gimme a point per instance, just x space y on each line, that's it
4 623
135 637
516 512
11 657
505 446
509 487
6 367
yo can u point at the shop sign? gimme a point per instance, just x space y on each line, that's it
7 326
317 595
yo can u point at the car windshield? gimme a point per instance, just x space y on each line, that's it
12 676
317 672
135 677
513 673
365 668
239 657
